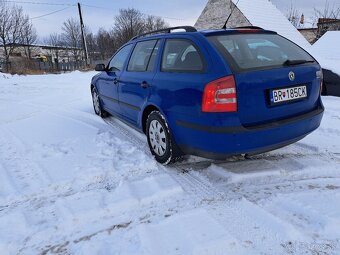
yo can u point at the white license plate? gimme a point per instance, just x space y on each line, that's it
288 94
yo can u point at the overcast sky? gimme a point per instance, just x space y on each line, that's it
100 13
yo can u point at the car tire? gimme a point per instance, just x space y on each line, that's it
97 106
161 143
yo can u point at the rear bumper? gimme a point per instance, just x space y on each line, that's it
220 142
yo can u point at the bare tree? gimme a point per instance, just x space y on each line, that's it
105 43
12 21
91 44
71 37
5 26
129 23
28 36
294 16
328 12
55 40
154 23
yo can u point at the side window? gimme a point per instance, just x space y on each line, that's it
153 57
118 60
141 57
181 55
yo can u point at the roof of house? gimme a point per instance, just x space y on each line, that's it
327 20
264 14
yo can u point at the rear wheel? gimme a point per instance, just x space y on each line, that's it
160 140
98 109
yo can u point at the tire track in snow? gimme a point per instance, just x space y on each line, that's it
192 177
188 181
211 198
193 174
16 161
138 139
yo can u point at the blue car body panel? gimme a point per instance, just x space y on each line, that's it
257 126
108 91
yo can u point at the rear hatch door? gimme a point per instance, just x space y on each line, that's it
270 95
275 78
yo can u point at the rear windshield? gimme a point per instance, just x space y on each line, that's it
258 51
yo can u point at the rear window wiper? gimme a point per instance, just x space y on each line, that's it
296 62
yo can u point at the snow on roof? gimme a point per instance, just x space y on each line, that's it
328 45
264 14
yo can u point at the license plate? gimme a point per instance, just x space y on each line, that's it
288 94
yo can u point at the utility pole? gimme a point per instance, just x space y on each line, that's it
83 35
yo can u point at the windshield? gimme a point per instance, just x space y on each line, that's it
258 51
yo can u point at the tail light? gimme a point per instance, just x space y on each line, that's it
220 95
319 75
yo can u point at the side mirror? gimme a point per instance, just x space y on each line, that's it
100 67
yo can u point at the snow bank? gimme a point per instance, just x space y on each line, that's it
5 76
327 51
328 45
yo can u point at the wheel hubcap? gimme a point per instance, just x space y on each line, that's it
157 137
96 102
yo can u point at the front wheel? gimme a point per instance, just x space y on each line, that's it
160 140
98 109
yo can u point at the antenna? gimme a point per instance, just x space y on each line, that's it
225 24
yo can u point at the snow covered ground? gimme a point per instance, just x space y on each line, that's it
72 183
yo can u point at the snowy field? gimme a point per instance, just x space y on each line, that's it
72 183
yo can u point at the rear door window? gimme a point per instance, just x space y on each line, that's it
181 55
257 51
143 56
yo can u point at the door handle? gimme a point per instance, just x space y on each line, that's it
115 81
144 85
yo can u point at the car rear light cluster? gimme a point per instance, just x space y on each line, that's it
319 75
220 95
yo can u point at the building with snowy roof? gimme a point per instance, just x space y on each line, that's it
260 13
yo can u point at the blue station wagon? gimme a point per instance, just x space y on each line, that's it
213 93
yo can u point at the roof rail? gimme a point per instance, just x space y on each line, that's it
166 30
247 27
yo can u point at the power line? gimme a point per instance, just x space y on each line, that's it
50 13
37 3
